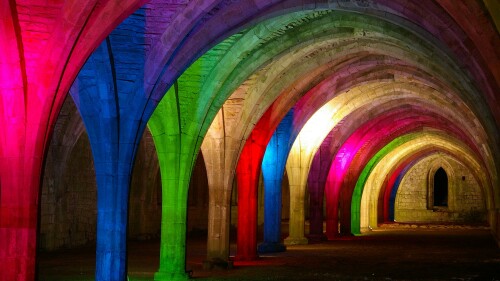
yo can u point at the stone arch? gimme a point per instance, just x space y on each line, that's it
87 32
407 145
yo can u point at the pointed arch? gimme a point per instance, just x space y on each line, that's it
437 167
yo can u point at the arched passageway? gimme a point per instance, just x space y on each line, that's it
220 76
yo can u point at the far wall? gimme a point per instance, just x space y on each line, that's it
465 199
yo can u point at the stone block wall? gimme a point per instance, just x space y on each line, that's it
466 202
198 198
68 202
145 194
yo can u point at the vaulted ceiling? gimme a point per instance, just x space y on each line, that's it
377 83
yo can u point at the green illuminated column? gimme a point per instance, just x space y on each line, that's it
176 129
176 158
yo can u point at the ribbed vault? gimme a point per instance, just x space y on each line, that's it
378 84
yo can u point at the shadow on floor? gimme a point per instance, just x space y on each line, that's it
385 254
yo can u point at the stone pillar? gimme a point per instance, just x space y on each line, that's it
21 152
112 217
273 168
338 194
332 211
173 220
19 185
220 187
248 171
114 138
35 76
333 187
297 174
272 218
316 184
219 214
316 193
296 232
176 155
175 168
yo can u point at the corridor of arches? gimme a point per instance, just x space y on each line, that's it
150 138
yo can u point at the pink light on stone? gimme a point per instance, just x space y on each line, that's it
335 177
40 59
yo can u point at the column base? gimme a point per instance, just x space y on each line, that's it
165 276
271 247
315 238
217 264
296 241
362 230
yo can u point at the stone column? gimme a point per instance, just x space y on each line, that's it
35 75
316 184
219 214
316 192
220 187
248 171
345 217
272 218
176 155
175 186
273 168
332 210
297 174
296 232
19 184
22 129
114 138
112 217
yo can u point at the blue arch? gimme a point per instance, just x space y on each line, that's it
395 187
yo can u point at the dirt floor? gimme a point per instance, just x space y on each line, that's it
389 253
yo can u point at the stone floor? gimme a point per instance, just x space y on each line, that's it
390 253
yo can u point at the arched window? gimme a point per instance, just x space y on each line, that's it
440 188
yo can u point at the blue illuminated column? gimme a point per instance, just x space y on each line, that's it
109 95
394 190
273 168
